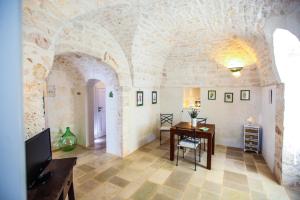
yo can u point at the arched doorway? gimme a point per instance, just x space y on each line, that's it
70 102
287 59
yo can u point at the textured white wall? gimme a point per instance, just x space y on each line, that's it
67 107
228 117
171 101
144 120
268 122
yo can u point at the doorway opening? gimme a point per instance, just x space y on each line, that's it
99 110
84 94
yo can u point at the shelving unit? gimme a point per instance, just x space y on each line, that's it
252 138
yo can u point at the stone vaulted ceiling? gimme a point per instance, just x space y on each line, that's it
155 42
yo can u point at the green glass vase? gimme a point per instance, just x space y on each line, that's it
67 141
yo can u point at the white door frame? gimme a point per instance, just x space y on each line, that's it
113 117
99 112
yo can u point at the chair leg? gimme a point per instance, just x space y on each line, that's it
160 137
200 154
183 152
177 156
195 150
200 144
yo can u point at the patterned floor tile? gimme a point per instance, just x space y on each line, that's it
149 174
235 177
119 181
103 176
146 191
178 179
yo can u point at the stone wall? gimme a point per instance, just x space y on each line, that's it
279 131
65 102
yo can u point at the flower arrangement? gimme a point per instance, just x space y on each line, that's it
194 113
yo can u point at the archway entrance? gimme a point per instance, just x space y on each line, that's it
77 98
287 59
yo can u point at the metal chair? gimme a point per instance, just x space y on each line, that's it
189 141
202 120
166 121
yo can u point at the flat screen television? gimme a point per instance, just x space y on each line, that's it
38 156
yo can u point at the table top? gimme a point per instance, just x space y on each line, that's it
188 125
60 169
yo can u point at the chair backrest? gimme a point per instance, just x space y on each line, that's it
166 119
201 120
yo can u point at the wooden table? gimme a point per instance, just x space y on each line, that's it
209 135
59 184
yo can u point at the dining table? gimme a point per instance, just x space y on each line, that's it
201 132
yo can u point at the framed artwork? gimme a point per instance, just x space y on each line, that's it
139 98
154 97
228 97
245 95
212 94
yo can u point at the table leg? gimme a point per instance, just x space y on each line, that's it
71 192
209 151
172 145
213 144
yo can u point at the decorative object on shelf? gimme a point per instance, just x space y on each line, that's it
154 97
252 138
139 98
111 95
193 114
67 141
245 95
211 94
250 120
228 97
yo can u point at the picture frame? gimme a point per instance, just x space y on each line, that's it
139 98
228 97
245 95
212 94
154 97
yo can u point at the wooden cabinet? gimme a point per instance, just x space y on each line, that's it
252 138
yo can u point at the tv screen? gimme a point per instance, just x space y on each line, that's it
38 155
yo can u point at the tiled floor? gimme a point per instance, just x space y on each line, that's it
100 143
149 174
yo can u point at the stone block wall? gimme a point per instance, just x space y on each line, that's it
279 131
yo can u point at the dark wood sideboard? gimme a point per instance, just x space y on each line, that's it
60 183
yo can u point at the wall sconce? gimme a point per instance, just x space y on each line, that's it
235 66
